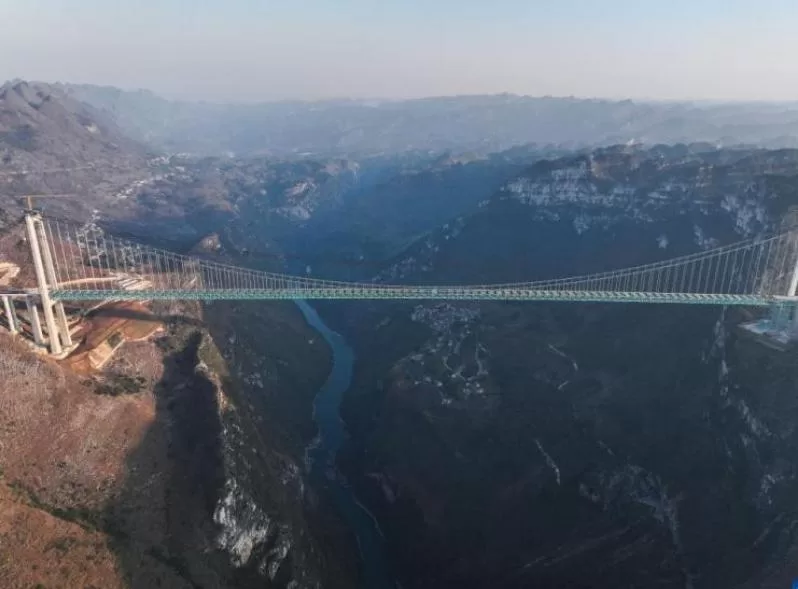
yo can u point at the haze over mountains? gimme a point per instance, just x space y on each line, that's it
461 123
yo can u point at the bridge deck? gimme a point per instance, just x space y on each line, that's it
419 293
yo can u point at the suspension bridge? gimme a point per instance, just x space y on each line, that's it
82 262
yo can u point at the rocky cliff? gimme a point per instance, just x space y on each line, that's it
580 445
181 465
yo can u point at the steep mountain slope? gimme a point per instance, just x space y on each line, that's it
51 143
580 445
41 127
179 465
364 210
381 218
464 123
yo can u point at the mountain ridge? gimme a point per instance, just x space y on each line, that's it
481 123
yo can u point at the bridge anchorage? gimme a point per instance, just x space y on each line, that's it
74 262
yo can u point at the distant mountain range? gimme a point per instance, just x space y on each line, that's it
479 124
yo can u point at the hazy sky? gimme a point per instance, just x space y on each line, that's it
267 49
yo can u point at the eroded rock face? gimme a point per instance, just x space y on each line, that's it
266 517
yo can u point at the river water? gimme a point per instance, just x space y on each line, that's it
321 457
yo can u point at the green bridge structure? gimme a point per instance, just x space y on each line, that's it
82 262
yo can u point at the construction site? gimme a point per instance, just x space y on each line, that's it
85 335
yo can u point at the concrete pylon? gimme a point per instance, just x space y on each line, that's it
35 322
11 316
52 280
793 288
37 238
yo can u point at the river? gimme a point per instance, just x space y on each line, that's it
321 457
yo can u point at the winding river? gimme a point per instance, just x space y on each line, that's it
321 457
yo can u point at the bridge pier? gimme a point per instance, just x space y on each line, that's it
782 321
11 315
35 322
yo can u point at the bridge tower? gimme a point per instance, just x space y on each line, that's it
792 290
55 318
783 311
